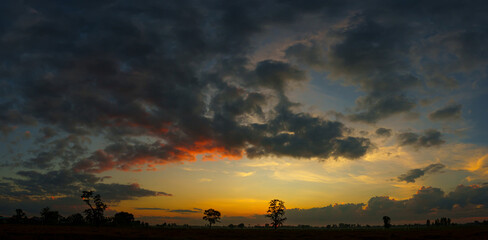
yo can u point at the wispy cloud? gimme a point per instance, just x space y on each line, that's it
245 174
154 209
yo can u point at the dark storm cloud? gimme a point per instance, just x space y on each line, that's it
370 55
413 174
276 75
383 132
302 135
312 55
430 138
47 133
174 73
35 185
60 151
393 50
381 106
452 111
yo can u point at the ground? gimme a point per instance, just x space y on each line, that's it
40 232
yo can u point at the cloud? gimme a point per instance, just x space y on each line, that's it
452 111
312 55
392 60
430 138
64 183
160 88
152 209
383 132
426 203
184 211
185 82
245 174
413 174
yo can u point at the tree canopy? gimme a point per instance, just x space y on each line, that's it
276 212
212 216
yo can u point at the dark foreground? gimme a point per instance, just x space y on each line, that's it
8 232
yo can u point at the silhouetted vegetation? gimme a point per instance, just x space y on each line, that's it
75 219
94 215
386 222
123 219
276 212
19 217
212 216
50 217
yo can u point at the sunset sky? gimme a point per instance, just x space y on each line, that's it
345 110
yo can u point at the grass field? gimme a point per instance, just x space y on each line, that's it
8 232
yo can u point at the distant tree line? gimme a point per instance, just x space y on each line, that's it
94 215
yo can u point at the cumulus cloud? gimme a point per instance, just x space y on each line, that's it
184 83
383 132
153 87
391 59
426 203
413 174
448 112
430 138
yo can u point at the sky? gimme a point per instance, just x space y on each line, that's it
345 110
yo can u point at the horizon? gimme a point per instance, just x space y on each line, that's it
346 110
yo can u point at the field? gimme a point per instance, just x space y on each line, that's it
8 232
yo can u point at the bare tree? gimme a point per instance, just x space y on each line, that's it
276 212
212 216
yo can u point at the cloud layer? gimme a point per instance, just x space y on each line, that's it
413 174
156 87
427 203
64 183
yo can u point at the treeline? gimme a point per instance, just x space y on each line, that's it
94 215
48 217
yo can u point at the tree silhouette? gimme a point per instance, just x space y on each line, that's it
19 216
75 219
94 215
212 216
50 217
386 221
123 219
276 212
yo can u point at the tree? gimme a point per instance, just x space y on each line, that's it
75 219
50 217
123 219
386 221
276 212
94 215
212 216
19 216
